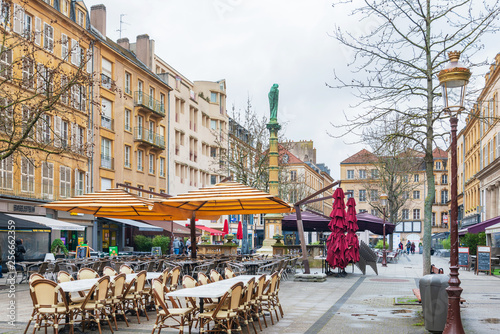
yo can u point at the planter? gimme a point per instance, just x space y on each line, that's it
279 249
225 249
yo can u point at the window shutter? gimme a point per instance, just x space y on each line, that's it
74 143
90 148
480 159
75 53
57 131
89 61
38 31
64 47
18 19
75 183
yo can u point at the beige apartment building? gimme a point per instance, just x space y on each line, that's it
361 177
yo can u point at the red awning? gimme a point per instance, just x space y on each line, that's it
208 229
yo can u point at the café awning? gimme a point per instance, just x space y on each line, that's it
227 198
9 223
209 230
53 224
140 225
476 228
118 203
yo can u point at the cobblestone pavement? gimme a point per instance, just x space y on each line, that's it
353 304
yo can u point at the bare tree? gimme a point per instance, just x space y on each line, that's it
41 89
395 65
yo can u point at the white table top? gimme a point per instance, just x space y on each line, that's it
212 290
86 284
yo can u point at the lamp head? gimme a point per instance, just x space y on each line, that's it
454 79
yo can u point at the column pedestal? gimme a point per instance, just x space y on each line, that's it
272 227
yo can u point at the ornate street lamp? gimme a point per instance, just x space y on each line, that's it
383 201
453 79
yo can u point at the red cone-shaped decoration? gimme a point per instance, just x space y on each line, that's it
225 230
239 234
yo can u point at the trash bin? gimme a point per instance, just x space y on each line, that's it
434 301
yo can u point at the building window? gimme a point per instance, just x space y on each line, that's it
6 173
48 37
362 195
405 214
374 212
444 196
213 152
162 102
444 219
128 118
374 195
64 47
127 156
405 178
76 55
416 213
47 180
64 134
28 73
79 182
152 162
213 179
6 63
438 165
349 193
27 176
405 194
81 19
139 160
106 160
444 179
162 166
140 125
107 73
64 181
151 190
416 194
362 174
433 219
213 97
106 114
128 83
293 175
213 124
415 178
139 193
45 128
374 173
350 174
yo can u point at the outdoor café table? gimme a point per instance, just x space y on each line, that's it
86 284
212 290
26 265
252 266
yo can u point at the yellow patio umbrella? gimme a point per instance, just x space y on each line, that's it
227 198
118 203
230 198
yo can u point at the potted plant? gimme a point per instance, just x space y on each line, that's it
229 238
205 239
58 247
278 238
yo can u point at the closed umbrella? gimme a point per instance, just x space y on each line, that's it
239 234
352 252
225 230
337 243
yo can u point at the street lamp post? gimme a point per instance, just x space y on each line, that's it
453 79
383 200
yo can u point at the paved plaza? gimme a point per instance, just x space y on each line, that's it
353 304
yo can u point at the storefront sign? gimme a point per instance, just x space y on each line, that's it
23 208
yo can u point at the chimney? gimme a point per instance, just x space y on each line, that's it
98 18
124 43
143 49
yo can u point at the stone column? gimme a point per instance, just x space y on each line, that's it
493 202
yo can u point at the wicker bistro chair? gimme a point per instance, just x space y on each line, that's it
200 269
126 269
256 302
94 305
229 273
245 309
180 316
203 279
108 271
215 276
63 276
175 274
268 301
87 273
136 299
225 314
48 311
33 277
115 299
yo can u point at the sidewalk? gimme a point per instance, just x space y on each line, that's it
353 304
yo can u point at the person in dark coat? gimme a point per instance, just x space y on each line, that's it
19 251
412 248
408 246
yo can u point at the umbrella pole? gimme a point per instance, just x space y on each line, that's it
300 228
193 235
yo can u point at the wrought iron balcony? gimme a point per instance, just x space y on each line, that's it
148 102
149 137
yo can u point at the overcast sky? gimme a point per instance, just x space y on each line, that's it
254 44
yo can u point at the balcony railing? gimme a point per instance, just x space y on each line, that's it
146 136
106 81
107 122
107 161
148 102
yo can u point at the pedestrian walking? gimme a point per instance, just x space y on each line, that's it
408 246
400 247
177 246
412 248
